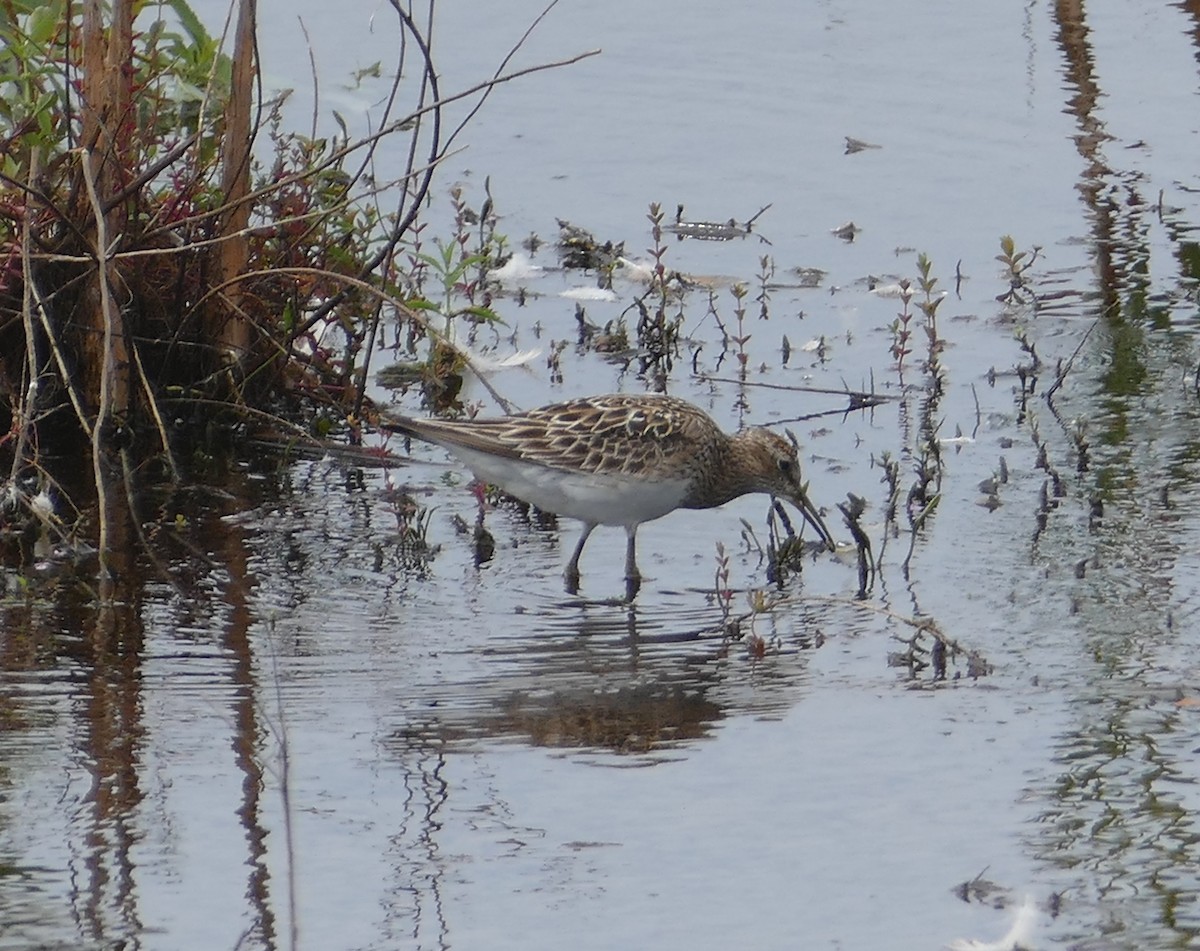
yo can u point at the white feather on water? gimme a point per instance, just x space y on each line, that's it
1018 938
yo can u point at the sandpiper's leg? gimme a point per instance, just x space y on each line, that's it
633 577
571 573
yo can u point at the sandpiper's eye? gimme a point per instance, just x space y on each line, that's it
786 466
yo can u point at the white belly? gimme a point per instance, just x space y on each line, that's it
599 499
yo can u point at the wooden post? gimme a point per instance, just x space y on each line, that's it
107 69
233 329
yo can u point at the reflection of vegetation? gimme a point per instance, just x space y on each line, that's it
1126 373
630 720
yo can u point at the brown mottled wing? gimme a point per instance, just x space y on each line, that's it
621 434
630 435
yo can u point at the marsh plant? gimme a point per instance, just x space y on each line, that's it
660 310
901 331
766 274
177 270
449 288
1016 263
928 299
722 590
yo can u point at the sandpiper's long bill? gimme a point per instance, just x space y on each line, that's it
620 460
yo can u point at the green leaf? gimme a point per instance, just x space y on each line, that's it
43 23
470 261
485 314
190 22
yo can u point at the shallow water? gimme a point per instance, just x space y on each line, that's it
324 740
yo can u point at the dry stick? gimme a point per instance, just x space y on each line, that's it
151 172
312 69
758 214
384 256
978 412
251 229
871 398
430 86
389 104
385 251
158 420
1062 375
370 151
60 360
25 414
43 199
34 299
496 75
437 153
350 148
104 407
404 218
24 411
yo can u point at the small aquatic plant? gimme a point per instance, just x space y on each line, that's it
901 334
722 590
927 303
766 274
657 328
1016 263
852 512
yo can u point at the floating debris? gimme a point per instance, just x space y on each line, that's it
579 249
589 294
519 267
641 271
958 439
858 145
1020 935
714 230
890 288
847 231
809 276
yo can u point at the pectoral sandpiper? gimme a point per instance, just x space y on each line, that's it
619 460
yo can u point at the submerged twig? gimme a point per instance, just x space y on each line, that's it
859 399
1063 369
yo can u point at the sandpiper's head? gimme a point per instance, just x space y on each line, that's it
772 465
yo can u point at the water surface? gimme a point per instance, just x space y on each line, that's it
323 740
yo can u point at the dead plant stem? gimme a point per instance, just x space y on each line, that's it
24 411
487 89
104 406
154 411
